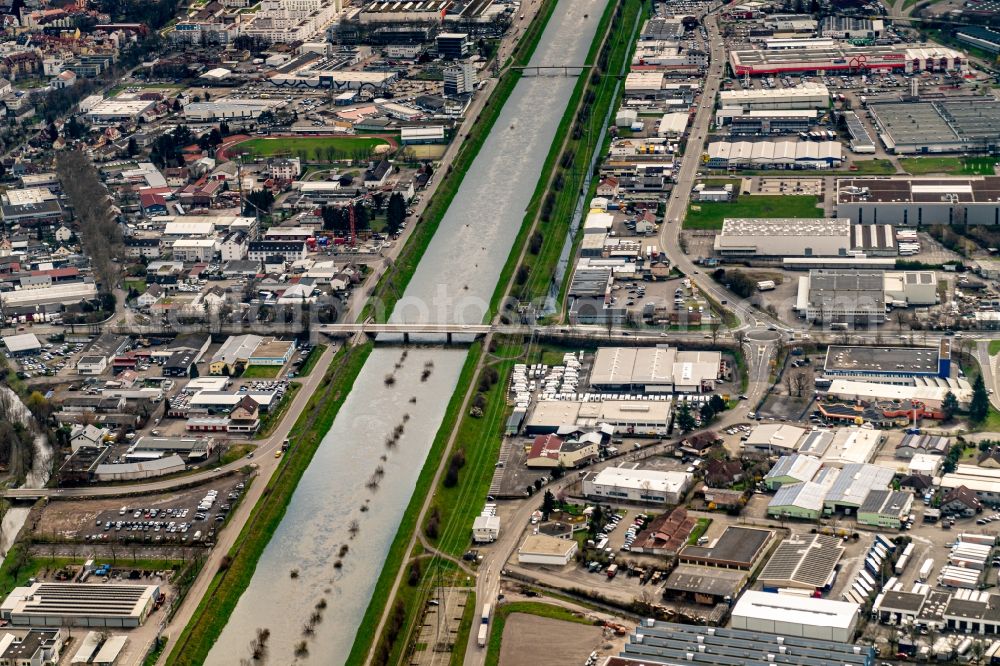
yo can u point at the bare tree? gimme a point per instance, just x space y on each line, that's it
802 382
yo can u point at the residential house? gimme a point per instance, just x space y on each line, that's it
285 251
722 473
245 417
990 458
142 247
150 297
962 502
608 187
86 435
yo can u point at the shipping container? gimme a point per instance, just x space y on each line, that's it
483 629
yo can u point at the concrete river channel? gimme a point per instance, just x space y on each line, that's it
453 284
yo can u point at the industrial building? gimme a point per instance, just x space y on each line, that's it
628 484
753 122
929 391
979 36
803 562
773 438
850 28
793 469
206 112
983 481
113 111
803 501
784 237
79 605
632 417
546 550
890 365
861 140
920 201
852 445
655 370
792 615
932 58
738 548
691 645
851 297
704 585
807 96
851 486
966 125
885 508
335 79
25 344
791 154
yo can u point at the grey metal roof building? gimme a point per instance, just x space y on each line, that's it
688 645
79 604
939 126
840 295
804 561
737 548
854 483
887 362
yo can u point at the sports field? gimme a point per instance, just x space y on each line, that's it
314 149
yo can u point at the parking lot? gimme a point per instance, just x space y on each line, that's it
186 517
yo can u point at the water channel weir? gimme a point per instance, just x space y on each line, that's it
453 284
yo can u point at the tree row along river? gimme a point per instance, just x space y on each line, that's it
385 430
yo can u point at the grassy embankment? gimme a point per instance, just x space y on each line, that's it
709 215
314 355
529 608
365 635
555 200
994 347
393 282
270 421
230 581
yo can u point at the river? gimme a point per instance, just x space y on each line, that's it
453 284
13 519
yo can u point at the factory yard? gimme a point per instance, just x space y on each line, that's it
565 642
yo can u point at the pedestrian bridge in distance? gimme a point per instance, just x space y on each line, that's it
445 332
552 70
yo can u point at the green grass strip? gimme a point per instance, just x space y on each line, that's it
215 608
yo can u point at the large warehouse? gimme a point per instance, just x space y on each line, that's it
655 370
743 122
784 237
79 605
792 154
807 96
920 201
802 561
853 296
932 58
890 365
686 645
790 615
623 484
970 124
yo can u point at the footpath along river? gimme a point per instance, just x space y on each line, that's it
453 284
